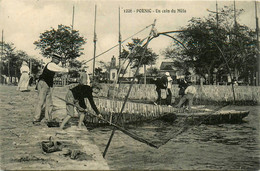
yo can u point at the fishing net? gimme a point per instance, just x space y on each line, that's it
168 127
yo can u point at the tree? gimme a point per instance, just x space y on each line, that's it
153 71
63 41
8 56
210 43
149 57
12 61
137 51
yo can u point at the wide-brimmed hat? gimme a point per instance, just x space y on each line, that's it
167 73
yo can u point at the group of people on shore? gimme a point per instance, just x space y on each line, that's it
75 96
186 91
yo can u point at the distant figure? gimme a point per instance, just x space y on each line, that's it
84 77
44 87
182 84
24 79
160 83
189 94
169 86
77 97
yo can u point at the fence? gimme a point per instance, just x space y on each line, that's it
217 93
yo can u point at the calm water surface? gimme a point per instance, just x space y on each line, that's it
223 146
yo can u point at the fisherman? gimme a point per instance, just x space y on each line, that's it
189 94
168 90
24 79
45 86
77 97
160 83
183 84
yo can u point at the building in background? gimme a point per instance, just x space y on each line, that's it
113 69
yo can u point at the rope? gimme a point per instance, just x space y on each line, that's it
137 70
118 43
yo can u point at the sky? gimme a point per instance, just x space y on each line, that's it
22 21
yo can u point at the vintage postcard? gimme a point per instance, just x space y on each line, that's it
129 85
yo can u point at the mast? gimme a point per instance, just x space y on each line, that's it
95 41
119 41
72 18
257 46
235 16
2 55
217 12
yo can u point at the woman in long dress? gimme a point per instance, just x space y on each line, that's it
24 79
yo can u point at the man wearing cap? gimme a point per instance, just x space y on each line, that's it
45 85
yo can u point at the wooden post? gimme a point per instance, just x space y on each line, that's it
95 41
257 46
119 41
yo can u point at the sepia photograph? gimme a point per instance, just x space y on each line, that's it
129 85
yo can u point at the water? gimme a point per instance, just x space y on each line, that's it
222 146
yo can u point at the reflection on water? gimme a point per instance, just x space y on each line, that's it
222 146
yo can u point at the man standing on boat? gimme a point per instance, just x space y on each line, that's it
45 86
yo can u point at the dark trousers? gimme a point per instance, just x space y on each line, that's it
159 98
169 97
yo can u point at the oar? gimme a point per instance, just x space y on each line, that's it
134 136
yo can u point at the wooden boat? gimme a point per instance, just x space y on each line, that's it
140 112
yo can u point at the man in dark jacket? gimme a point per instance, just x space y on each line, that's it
77 96
160 83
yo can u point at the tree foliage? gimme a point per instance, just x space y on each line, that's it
153 71
12 59
63 41
210 42
137 50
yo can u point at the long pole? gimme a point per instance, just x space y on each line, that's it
30 65
217 12
119 42
257 46
72 18
95 41
235 15
134 136
137 71
2 54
